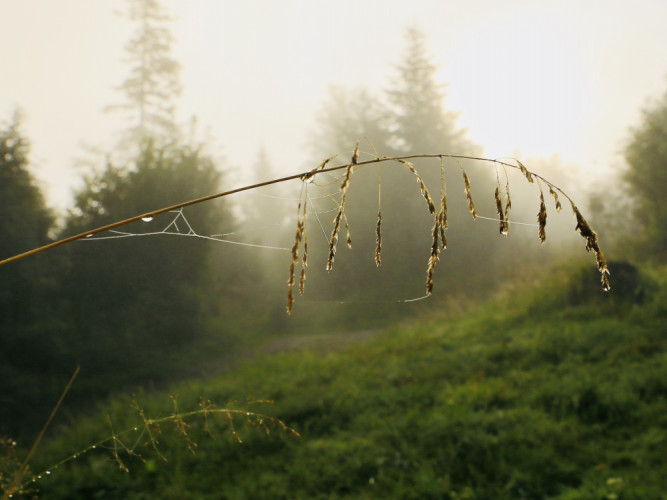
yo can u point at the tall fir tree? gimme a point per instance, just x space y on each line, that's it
419 120
153 84
410 118
29 350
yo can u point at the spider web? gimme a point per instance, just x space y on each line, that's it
179 225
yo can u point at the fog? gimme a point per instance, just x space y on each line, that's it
527 78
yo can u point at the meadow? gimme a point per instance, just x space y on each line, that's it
544 391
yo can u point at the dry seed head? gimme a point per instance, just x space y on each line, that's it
310 176
525 171
433 259
334 240
346 180
471 205
304 265
300 231
508 206
443 211
443 238
378 241
504 227
443 199
555 196
347 232
542 218
592 245
422 186
355 154
334 234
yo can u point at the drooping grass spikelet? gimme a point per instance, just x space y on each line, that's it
592 245
304 259
300 229
304 264
508 203
442 213
555 196
501 213
433 259
311 175
422 186
333 241
378 241
378 227
355 154
542 218
347 231
525 171
471 205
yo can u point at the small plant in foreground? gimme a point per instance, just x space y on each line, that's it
143 439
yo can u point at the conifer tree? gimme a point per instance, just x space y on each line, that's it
153 84
646 155
27 347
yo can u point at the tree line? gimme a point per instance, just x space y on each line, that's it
138 309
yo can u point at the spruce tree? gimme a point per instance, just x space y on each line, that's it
153 84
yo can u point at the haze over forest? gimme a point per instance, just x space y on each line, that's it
527 78
460 331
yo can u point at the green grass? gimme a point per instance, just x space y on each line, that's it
531 395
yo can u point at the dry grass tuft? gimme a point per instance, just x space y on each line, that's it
438 232
333 241
422 186
378 241
559 207
304 261
525 172
592 245
347 231
442 213
502 212
471 205
542 218
300 232
434 258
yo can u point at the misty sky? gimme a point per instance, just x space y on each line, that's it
532 78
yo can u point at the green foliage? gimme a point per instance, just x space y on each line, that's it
25 314
528 396
130 302
646 155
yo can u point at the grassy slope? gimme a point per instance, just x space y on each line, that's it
528 396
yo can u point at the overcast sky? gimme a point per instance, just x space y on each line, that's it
529 77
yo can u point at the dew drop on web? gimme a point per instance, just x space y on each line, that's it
147 219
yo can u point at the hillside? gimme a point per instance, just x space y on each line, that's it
547 391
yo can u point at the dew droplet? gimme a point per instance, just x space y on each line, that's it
147 219
89 235
48 472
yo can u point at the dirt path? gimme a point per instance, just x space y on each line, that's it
321 343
